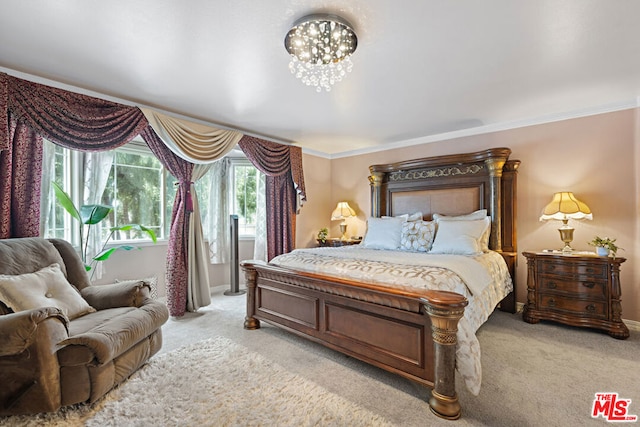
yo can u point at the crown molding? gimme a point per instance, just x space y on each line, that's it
495 127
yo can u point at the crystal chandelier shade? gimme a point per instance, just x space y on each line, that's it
320 46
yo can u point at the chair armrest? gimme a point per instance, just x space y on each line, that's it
123 294
30 373
18 330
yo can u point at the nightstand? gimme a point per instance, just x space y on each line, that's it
578 290
335 242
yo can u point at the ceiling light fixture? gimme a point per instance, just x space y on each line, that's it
320 46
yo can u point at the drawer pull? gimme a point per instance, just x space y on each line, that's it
591 308
589 285
552 302
552 285
591 270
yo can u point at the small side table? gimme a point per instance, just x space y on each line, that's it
578 290
336 242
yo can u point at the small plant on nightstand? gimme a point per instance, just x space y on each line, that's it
323 234
605 246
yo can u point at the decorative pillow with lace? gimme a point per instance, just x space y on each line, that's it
417 236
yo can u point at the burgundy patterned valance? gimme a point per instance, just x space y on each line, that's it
73 120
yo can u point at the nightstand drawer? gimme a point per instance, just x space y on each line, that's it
586 270
578 307
587 289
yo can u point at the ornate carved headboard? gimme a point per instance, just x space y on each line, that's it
453 185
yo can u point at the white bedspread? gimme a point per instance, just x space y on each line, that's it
483 279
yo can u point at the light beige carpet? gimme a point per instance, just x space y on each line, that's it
211 383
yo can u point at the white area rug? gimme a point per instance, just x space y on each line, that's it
211 383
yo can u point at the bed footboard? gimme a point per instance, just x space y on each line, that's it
413 335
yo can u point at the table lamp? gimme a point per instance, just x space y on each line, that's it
563 207
342 212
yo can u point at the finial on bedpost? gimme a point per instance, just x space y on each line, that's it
494 166
445 309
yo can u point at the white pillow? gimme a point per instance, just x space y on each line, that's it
383 233
461 237
479 214
417 235
416 216
45 288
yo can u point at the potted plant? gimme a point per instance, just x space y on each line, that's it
323 234
89 215
605 246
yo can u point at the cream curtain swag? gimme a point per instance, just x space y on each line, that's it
191 141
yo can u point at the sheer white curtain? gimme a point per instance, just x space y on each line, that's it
48 174
260 243
199 294
218 218
97 165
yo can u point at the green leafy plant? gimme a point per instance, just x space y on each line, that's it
323 234
605 242
89 215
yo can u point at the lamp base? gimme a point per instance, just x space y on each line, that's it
343 230
566 235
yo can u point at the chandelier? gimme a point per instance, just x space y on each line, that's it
320 46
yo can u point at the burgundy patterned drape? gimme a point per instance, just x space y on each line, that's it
282 164
19 192
177 256
4 108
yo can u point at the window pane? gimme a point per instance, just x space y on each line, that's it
244 178
134 189
59 222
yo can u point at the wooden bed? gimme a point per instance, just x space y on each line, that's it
411 333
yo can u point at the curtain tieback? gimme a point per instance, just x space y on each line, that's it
189 199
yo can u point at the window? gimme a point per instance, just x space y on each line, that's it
135 188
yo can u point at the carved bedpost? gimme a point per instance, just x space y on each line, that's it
375 181
250 274
494 166
531 293
445 309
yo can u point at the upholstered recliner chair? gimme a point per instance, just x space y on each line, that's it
59 345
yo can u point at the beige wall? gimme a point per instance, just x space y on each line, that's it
596 157
315 213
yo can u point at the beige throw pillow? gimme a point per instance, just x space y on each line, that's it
45 288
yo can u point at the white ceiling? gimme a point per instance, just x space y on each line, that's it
423 70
